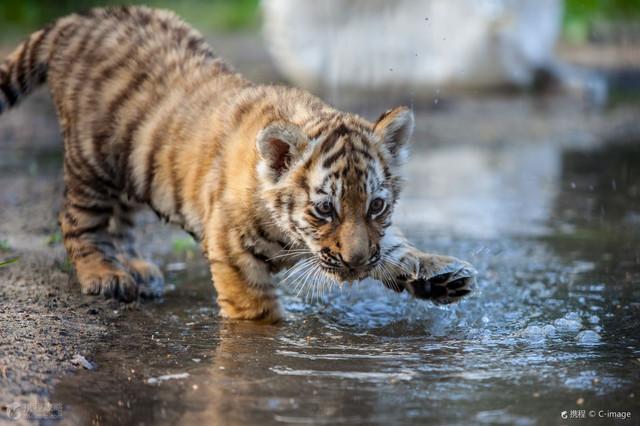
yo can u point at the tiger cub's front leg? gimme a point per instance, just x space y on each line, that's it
441 279
240 298
242 280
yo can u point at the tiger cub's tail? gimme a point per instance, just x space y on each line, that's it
25 68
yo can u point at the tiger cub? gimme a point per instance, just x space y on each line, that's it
263 176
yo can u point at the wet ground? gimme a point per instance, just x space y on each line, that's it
542 195
553 326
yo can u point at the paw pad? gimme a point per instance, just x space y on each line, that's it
444 288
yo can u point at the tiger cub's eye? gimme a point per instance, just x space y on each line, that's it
376 206
325 208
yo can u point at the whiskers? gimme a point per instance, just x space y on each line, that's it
388 269
292 254
309 280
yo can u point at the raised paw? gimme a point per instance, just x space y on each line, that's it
147 275
108 279
441 279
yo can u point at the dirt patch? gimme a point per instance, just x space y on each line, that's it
44 321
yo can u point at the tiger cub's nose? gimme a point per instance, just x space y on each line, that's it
355 260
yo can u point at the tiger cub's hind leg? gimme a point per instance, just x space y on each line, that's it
147 275
84 221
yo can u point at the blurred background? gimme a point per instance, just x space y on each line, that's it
526 162
410 47
582 20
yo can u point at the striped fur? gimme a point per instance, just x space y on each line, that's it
263 176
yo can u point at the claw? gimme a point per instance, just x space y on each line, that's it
459 283
440 279
447 286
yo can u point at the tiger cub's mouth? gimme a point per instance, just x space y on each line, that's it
343 274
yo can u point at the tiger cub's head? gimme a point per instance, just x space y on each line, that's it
336 193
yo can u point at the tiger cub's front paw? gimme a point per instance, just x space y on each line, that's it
265 309
441 279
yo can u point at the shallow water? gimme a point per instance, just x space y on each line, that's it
552 327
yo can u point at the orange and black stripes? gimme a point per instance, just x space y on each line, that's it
150 116
24 69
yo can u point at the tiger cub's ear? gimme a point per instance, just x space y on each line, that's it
279 145
395 128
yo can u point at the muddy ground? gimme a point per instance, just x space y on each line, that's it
47 327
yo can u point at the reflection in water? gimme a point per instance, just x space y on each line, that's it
553 327
482 192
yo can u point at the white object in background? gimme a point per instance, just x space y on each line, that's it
366 44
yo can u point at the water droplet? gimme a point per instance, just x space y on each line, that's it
564 324
588 337
573 316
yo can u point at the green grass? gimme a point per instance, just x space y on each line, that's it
184 245
9 261
581 14
55 238
4 245
19 16
222 15
64 265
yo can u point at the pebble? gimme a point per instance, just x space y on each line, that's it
83 362
176 266
177 376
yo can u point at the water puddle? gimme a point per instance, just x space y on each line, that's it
553 327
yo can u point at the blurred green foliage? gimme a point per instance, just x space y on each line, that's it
184 245
4 245
581 14
55 238
18 16
7 262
